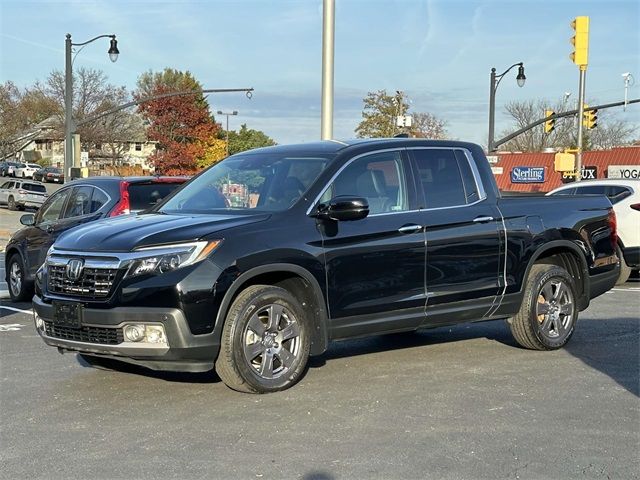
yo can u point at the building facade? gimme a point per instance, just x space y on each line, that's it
534 172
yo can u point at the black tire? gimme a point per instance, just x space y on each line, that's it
23 175
19 289
280 329
11 203
552 290
625 270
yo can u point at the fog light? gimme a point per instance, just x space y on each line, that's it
134 333
39 323
155 334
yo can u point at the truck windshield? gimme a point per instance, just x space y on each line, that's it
267 182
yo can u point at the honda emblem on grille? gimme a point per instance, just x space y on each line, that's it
74 269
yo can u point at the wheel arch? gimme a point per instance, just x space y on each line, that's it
11 251
569 256
294 278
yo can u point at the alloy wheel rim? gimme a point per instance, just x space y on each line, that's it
15 278
555 309
271 341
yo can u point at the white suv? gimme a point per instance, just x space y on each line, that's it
625 198
26 170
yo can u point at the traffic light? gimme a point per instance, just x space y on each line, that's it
580 41
590 118
550 124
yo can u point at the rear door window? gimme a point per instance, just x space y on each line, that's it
617 193
98 200
79 203
146 195
440 177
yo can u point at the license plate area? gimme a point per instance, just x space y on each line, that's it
67 314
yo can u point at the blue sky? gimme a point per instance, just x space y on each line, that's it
439 52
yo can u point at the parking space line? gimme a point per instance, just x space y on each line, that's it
27 312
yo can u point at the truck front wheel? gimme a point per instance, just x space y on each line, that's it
548 313
265 341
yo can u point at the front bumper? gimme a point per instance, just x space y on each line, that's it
182 352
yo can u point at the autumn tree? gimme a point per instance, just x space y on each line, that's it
182 125
607 134
21 109
92 94
379 118
426 125
247 139
380 113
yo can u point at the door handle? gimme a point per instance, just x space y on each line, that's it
483 219
410 228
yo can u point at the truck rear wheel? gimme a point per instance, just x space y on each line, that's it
265 341
548 313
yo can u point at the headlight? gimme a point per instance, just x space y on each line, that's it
165 258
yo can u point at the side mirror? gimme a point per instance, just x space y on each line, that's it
343 208
28 219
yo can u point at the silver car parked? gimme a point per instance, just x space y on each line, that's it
20 194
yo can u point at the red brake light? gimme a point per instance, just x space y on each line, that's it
613 226
635 206
122 207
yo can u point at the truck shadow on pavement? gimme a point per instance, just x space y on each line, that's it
610 346
108 364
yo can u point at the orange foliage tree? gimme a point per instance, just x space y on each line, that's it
182 125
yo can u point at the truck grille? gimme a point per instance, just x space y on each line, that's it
105 336
93 282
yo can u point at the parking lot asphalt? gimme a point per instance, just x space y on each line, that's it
455 402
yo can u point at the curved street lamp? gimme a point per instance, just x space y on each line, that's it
495 81
69 125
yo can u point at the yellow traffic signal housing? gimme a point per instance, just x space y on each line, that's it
580 41
550 124
564 162
590 119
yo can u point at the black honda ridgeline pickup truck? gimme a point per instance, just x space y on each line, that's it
263 259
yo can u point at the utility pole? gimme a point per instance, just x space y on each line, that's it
579 56
583 74
328 35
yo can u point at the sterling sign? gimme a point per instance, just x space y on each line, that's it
527 175
623 171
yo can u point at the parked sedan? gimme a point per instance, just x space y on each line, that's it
26 170
49 174
7 168
77 203
625 198
20 194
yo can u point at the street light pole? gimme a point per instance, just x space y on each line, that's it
220 112
493 86
69 124
328 37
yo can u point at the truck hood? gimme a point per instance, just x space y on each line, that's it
126 233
